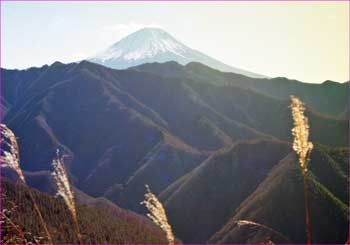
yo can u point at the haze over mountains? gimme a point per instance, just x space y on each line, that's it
214 146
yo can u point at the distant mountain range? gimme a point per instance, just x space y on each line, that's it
156 45
214 146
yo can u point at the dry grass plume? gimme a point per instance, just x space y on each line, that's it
157 214
64 190
302 146
11 159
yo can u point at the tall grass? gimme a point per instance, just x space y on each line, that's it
157 214
265 227
302 146
64 190
11 159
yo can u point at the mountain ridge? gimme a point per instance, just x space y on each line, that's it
123 129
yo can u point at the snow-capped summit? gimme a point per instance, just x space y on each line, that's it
156 45
146 43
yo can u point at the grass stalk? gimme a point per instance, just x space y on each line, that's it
157 214
307 213
64 190
302 146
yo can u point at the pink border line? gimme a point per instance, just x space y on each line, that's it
281 1
348 117
175 1
0 114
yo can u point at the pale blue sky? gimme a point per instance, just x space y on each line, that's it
306 41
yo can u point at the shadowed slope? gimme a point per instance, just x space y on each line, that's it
209 194
278 202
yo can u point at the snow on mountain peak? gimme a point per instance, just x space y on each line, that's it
156 45
143 44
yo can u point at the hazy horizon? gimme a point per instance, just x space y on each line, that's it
304 41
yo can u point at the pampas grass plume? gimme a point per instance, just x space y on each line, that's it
11 158
157 214
302 146
64 189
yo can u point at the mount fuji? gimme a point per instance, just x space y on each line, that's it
150 45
